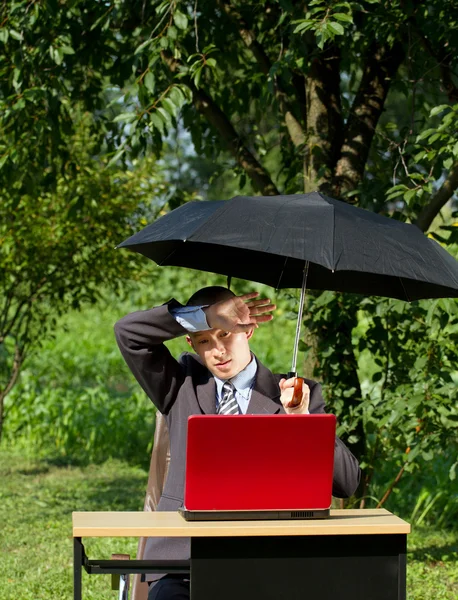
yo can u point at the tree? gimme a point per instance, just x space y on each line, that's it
57 244
303 95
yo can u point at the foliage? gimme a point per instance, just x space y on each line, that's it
76 401
356 99
81 425
407 355
423 159
36 545
324 93
57 244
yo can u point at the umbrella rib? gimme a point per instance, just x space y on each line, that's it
406 294
281 274
168 256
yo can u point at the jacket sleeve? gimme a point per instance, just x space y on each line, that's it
347 473
140 337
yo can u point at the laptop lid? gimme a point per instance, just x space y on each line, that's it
259 462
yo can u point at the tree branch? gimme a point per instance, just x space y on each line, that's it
6 330
295 130
381 66
440 198
391 487
442 57
216 117
5 311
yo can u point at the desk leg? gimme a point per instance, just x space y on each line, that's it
78 553
352 567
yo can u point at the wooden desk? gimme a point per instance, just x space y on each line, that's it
354 555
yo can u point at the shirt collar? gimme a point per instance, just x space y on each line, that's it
243 381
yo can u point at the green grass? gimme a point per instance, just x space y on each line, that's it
36 504
36 501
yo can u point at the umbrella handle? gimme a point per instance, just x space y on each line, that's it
297 394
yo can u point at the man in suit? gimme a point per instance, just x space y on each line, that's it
218 326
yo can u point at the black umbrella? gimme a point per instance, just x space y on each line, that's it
299 240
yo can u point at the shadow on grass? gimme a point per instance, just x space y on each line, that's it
75 461
116 494
33 471
446 553
65 461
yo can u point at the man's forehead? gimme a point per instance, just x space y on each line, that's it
199 334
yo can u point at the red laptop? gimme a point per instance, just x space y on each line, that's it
259 467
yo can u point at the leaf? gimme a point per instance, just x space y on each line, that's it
409 195
169 106
434 137
437 109
343 17
172 33
157 122
180 19
56 54
126 117
4 35
149 81
176 95
16 35
337 28
116 157
197 76
167 117
424 134
143 46
419 156
304 26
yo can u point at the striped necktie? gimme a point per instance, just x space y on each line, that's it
228 404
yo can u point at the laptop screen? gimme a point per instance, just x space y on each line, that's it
259 462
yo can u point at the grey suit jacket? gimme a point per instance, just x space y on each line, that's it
184 387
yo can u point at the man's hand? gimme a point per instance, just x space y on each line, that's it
240 313
287 390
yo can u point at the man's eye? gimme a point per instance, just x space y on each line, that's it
200 342
224 334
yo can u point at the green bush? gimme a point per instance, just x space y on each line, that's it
81 424
77 401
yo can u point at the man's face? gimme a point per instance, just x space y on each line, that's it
224 354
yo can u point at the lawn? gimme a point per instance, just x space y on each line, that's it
38 497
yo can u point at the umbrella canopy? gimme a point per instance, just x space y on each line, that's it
269 239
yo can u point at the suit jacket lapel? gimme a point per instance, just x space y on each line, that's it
206 396
205 389
265 397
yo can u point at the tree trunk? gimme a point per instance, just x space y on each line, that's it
324 120
339 372
14 374
381 67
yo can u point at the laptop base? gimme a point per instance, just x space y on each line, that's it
252 515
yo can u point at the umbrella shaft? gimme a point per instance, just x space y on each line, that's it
299 316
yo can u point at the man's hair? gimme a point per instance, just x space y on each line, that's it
209 295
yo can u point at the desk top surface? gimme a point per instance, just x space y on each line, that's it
172 524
